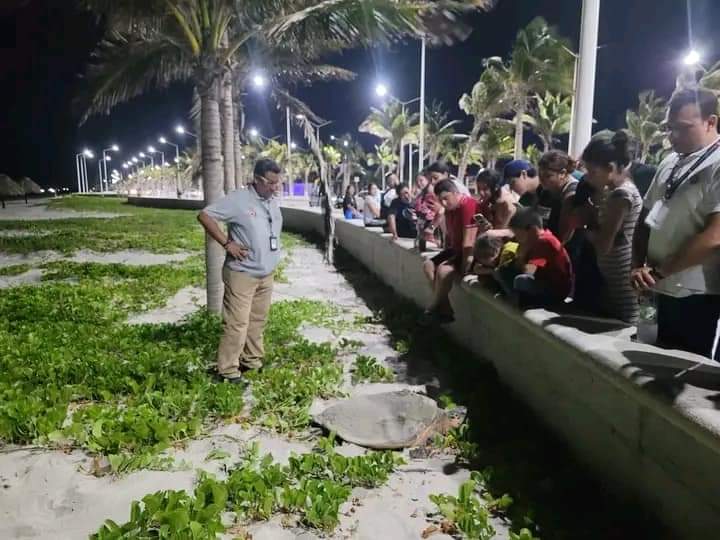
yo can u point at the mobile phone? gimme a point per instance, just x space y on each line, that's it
482 221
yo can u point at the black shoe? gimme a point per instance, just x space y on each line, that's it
232 378
430 318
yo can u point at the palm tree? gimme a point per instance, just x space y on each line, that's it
495 143
644 125
551 115
439 131
394 125
540 61
154 43
484 103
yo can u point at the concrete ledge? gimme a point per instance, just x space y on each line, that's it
645 418
179 204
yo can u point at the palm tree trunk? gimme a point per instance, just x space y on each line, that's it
239 173
519 113
401 162
213 189
228 132
462 166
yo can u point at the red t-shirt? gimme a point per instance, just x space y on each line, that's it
553 264
458 220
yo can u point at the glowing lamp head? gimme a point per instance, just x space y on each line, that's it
162 140
180 130
381 90
692 58
259 81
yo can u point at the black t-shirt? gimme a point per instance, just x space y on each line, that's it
349 203
404 222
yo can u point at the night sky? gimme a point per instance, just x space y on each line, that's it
45 44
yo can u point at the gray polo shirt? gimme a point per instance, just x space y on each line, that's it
251 221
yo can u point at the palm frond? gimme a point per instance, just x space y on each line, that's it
125 68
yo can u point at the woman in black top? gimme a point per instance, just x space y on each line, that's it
350 204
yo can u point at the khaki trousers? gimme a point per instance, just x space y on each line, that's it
245 309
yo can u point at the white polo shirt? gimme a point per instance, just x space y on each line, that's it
687 213
251 221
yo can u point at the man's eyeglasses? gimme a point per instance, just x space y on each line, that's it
268 182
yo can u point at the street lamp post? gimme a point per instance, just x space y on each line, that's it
382 91
584 99
113 148
163 140
180 130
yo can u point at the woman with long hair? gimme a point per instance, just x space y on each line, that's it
611 215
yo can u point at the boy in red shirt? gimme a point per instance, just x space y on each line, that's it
455 260
543 272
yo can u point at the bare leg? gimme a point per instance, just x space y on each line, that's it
444 277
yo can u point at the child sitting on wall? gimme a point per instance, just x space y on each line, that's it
542 272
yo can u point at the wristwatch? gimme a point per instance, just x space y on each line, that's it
225 245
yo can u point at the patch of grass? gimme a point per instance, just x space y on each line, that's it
296 371
367 369
14 270
311 486
464 514
159 231
75 374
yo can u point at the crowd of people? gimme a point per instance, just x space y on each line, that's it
593 235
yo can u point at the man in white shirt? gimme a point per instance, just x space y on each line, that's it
252 243
676 249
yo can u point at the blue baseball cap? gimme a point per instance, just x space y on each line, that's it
514 168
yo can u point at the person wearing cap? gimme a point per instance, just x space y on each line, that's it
676 248
523 180
252 246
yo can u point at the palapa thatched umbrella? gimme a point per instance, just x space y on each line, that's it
8 188
28 187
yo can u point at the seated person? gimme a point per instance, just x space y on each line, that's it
495 203
491 253
522 178
350 210
371 208
455 260
542 273
401 219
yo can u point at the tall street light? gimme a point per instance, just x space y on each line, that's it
163 140
180 130
382 91
113 148
81 162
152 159
584 99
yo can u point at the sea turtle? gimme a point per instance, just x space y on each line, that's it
388 420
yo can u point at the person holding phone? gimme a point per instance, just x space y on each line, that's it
253 251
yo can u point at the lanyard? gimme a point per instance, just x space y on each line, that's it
673 183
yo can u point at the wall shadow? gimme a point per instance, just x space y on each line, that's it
516 452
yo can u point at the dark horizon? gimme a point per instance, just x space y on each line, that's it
47 46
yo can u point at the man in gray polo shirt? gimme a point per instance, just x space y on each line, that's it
252 244
676 249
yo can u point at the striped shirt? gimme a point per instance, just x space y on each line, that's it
619 299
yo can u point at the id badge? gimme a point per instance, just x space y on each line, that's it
656 217
273 243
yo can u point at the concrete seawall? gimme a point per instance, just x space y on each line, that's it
644 418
